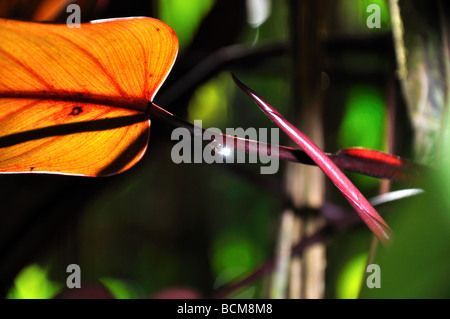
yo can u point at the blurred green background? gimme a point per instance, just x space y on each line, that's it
162 226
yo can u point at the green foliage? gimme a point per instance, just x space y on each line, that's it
232 256
211 102
363 124
184 16
354 15
121 289
364 118
33 283
416 264
350 278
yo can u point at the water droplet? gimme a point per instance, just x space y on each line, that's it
220 148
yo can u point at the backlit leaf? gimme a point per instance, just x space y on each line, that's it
73 100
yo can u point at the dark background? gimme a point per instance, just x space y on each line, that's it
188 229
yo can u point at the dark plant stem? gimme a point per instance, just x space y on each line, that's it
363 161
226 57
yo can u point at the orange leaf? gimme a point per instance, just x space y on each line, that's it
73 100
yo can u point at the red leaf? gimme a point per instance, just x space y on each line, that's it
368 214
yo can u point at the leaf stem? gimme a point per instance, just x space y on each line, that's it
362 161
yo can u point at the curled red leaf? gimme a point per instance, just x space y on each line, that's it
367 213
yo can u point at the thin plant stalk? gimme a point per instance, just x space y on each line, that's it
358 160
